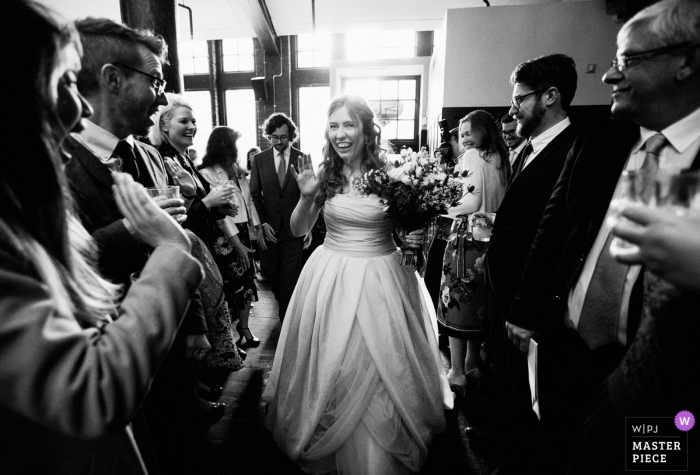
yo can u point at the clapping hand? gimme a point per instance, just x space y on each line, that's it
180 176
150 222
304 174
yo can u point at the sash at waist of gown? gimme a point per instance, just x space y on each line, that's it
361 247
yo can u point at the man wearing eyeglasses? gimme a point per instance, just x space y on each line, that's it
543 89
276 194
514 141
586 306
122 79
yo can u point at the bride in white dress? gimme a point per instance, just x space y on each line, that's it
357 385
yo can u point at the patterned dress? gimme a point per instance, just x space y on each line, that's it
239 284
462 299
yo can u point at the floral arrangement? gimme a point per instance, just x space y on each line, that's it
413 188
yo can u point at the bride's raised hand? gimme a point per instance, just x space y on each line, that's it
304 174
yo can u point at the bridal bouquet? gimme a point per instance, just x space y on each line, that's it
414 190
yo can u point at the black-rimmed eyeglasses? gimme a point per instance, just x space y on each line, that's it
158 83
518 100
625 61
275 138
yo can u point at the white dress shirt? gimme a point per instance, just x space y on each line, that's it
286 152
516 151
101 143
684 143
542 140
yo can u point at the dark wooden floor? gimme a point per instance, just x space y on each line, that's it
240 444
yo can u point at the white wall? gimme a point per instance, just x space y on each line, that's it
484 45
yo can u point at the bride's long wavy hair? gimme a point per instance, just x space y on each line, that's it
332 178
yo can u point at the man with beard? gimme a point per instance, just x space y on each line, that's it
543 90
585 306
276 194
516 143
122 79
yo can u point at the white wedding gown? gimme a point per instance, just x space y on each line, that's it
357 385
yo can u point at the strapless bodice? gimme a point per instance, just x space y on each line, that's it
357 226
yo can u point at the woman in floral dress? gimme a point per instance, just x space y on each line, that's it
230 237
485 170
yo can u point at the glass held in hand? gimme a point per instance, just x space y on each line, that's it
635 187
159 193
481 225
678 190
446 228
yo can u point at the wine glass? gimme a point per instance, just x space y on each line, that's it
482 224
635 188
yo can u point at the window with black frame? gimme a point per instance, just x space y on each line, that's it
395 103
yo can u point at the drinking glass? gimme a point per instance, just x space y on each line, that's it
678 190
481 225
446 228
159 193
635 187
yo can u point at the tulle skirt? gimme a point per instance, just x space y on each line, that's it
357 385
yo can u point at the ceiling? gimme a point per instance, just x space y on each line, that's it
216 19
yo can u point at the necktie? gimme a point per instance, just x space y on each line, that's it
281 169
653 146
600 320
125 152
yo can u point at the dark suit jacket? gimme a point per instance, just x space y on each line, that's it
275 204
570 225
199 217
519 215
120 254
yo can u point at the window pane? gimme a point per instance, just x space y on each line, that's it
305 59
406 129
187 65
200 48
245 46
246 62
201 109
240 116
390 90
313 107
201 65
230 46
305 42
230 63
322 59
389 130
407 89
389 109
407 110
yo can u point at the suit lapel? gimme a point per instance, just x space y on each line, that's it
540 159
92 164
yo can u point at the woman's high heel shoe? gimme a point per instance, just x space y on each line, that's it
244 332
459 385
